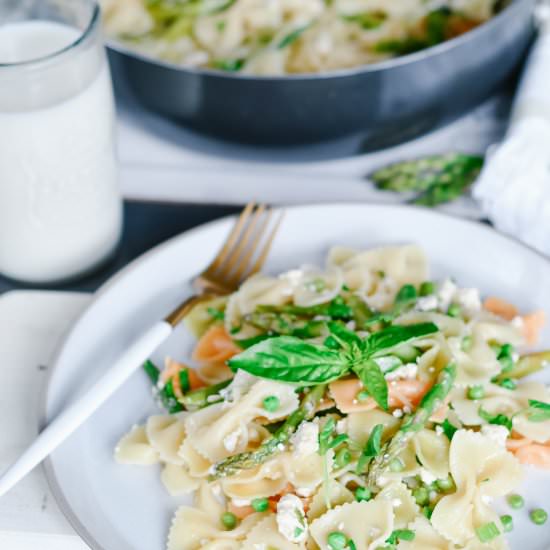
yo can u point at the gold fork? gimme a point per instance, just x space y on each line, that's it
243 253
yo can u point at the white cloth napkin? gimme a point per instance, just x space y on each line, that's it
514 186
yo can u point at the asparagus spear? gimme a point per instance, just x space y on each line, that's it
526 365
416 422
438 179
245 461
197 399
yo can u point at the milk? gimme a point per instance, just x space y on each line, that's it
60 210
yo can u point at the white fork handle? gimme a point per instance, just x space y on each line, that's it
78 412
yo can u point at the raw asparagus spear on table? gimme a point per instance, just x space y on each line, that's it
435 180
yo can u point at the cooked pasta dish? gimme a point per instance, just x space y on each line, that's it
358 406
278 37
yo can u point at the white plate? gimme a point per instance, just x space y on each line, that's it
125 508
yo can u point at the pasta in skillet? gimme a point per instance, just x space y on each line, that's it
357 406
288 36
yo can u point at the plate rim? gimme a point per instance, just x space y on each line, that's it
47 465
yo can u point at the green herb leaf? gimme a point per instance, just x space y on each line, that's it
368 20
448 429
291 37
538 411
497 419
372 448
393 336
290 359
372 377
400 534
343 335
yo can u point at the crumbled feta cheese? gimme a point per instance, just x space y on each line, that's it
468 299
407 410
387 362
446 293
240 502
439 430
518 322
281 447
290 518
240 386
350 325
231 440
427 303
305 440
432 495
426 476
498 434
341 526
406 372
486 499
398 413
342 426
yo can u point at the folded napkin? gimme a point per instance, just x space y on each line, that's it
514 185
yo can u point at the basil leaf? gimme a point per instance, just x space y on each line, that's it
372 377
448 429
497 419
290 359
392 336
344 335
538 411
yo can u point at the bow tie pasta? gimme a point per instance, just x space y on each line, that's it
356 406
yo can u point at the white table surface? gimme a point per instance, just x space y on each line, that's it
32 325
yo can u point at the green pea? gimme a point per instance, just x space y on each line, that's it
507 523
363 395
515 501
506 351
260 504
337 540
446 484
466 343
454 310
508 383
506 362
271 403
362 493
421 495
426 288
342 458
476 392
538 516
396 465
229 520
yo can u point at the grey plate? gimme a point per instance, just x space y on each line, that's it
383 103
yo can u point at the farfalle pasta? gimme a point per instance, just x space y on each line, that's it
359 405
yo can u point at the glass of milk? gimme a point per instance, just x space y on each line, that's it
60 206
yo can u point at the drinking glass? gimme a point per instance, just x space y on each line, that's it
60 205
